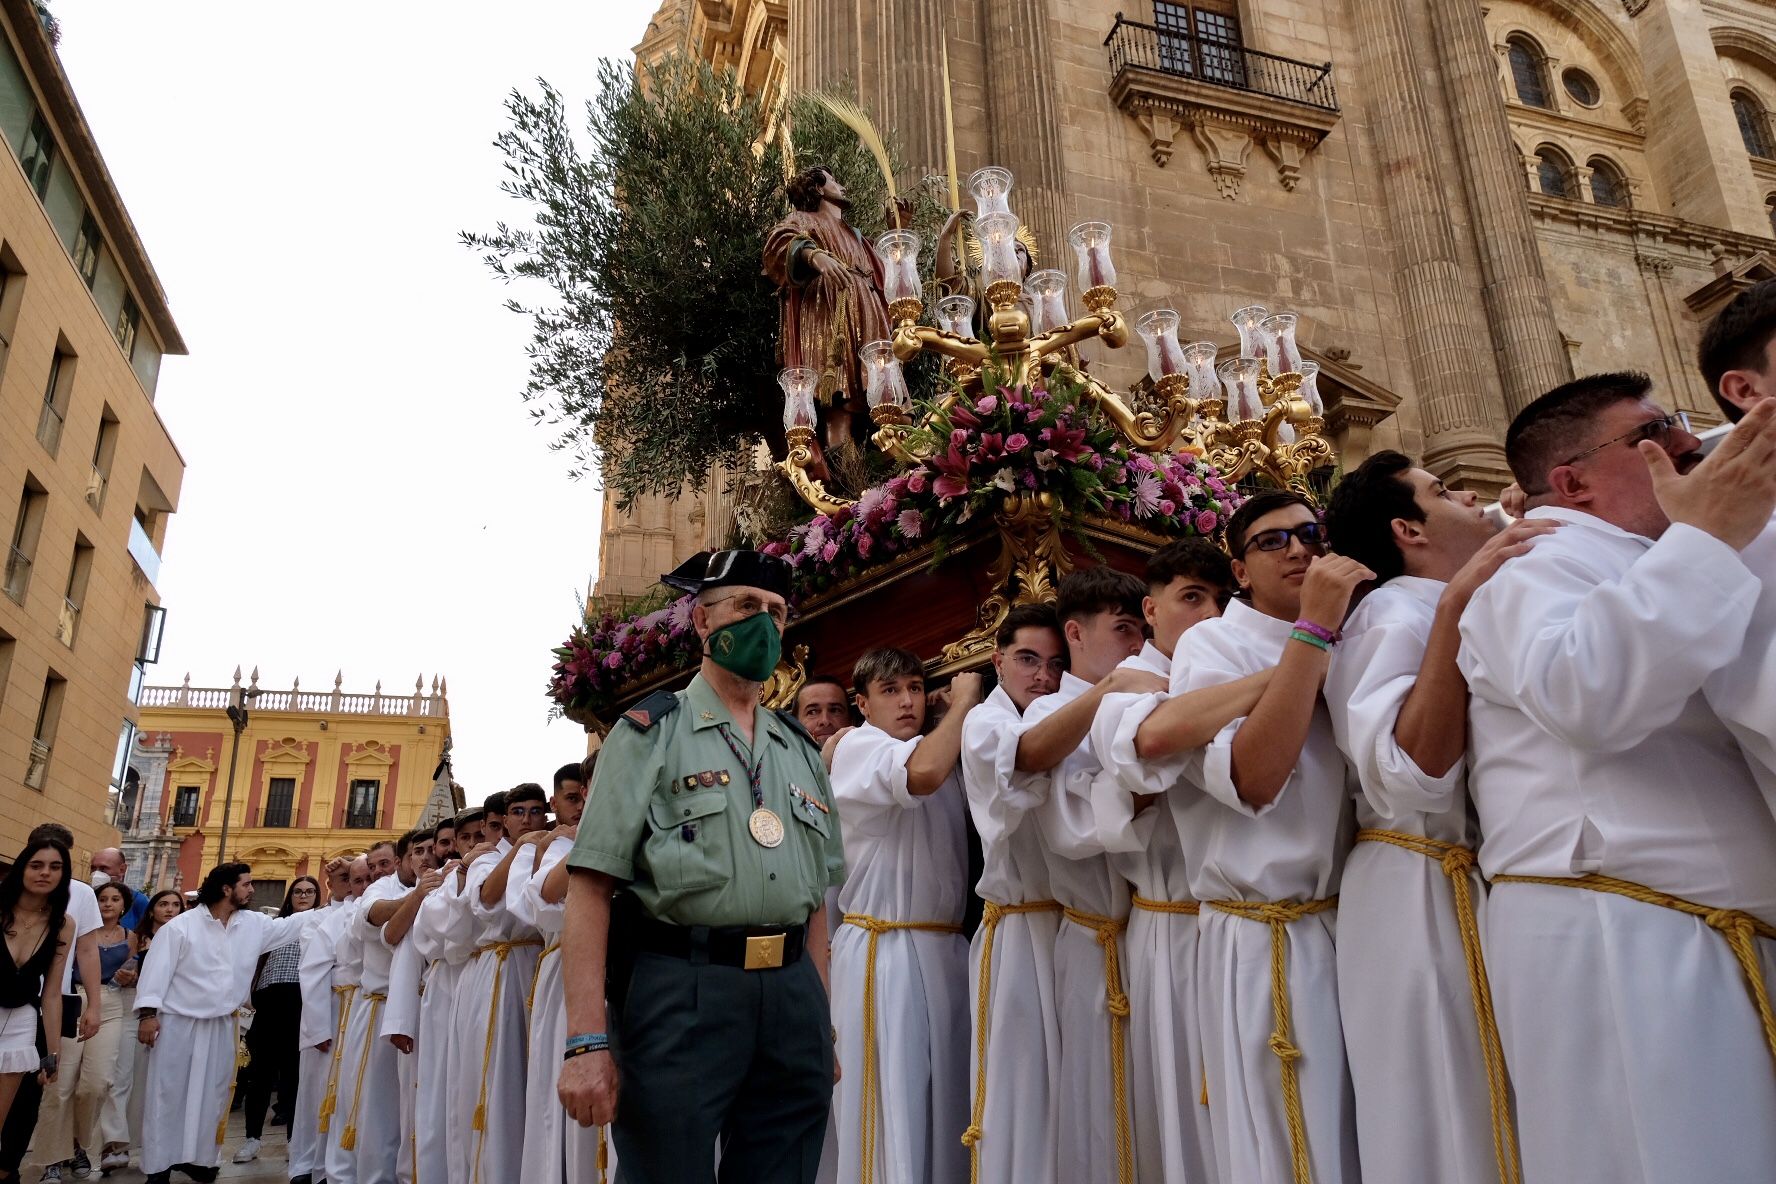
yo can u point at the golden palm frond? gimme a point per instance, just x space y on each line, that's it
854 117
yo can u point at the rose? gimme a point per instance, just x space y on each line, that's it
1016 442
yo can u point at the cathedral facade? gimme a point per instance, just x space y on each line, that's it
1465 203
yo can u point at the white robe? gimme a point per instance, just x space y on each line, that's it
445 937
485 1018
339 1163
1017 1143
1423 1109
1743 692
198 977
1634 1050
557 1150
906 860
1291 849
400 1017
1173 1139
319 1023
372 1106
1082 879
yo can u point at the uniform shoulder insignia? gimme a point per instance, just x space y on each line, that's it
651 710
795 725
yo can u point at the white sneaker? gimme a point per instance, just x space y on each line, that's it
112 1160
249 1151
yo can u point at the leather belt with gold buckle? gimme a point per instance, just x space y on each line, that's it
764 953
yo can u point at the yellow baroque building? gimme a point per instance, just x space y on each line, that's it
316 774
1466 203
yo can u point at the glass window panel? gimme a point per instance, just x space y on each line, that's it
1528 75
1754 125
280 801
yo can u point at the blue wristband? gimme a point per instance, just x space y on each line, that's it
588 1042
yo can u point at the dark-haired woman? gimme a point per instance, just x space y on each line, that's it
39 933
277 1013
163 906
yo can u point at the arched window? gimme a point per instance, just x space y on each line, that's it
1554 174
1770 212
1608 186
1754 124
1529 72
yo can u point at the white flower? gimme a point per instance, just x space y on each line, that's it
1006 479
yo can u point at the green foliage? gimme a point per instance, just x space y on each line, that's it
653 352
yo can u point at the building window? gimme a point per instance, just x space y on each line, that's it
1754 124
1770 212
1201 40
1581 88
23 550
185 806
55 400
269 894
49 718
360 807
37 155
129 321
1554 175
1529 72
280 801
87 245
1608 186
74 594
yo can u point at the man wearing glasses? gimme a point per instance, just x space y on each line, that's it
716 819
1633 860
1264 825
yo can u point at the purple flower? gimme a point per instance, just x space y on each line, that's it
911 525
613 661
869 506
1029 479
1095 461
1206 522
1146 494
1016 442
863 545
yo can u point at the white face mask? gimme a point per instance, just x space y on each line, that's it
100 879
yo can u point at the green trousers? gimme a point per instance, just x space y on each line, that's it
713 1052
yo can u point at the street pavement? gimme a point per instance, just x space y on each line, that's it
270 1168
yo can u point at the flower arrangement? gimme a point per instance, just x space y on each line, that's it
1014 441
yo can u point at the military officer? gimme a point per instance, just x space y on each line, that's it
712 820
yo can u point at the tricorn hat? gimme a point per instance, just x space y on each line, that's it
726 569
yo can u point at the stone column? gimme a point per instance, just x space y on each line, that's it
1526 341
1026 134
904 90
1457 383
823 53
1694 142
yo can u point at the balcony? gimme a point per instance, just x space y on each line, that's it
1226 95
49 428
18 573
67 622
95 488
141 549
38 768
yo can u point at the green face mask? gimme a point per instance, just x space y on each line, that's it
748 648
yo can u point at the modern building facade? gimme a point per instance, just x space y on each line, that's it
315 774
1465 203
88 472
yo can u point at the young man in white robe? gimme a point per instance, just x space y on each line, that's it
1099 609
199 977
1408 907
319 1032
385 1149
557 1150
1736 363
496 989
904 1105
368 1091
1630 851
1012 1121
1188 582
353 1054
445 937
1264 837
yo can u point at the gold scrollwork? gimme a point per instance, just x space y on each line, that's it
780 690
795 467
1031 560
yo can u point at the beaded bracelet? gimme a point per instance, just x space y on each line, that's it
1329 636
1318 643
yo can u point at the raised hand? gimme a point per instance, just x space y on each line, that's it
1732 493
1508 543
1327 590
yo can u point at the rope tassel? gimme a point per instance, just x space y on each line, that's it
1116 1002
990 916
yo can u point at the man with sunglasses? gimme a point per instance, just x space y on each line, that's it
1632 858
715 818
1264 826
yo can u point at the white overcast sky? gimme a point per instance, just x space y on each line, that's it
364 489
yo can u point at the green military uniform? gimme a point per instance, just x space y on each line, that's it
705 1046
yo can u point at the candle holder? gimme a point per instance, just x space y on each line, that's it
1310 388
1047 291
886 384
1249 321
1159 329
798 384
898 251
1280 353
955 315
1097 274
991 189
998 238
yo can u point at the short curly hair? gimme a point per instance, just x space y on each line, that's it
804 189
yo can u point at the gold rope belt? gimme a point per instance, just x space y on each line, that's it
535 975
233 1081
990 916
330 1099
876 927
348 1139
1177 908
1278 914
1739 928
1457 861
1116 1002
501 951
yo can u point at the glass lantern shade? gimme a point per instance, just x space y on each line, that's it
1279 343
798 384
1091 245
1159 329
1310 387
1248 321
1199 364
955 314
899 253
1239 377
998 237
1047 291
991 188
886 383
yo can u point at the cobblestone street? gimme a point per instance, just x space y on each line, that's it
269 1168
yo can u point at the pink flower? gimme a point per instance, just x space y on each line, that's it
958 437
1068 443
1167 507
1206 522
1146 495
987 405
911 525
829 552
613 661
916 481
947 487
992 446
1016 442
863 545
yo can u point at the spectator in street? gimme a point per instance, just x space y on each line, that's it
110 867
163 906
38 935
54 1143
277 1013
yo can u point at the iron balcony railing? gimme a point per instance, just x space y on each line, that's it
1136 46
38 766
49 428
18 573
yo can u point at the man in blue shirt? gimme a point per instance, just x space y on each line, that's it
111 864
